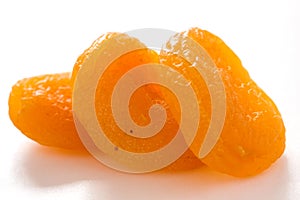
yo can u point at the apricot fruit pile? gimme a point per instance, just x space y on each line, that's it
253 134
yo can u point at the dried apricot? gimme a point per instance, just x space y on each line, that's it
140 102
41 108
253 135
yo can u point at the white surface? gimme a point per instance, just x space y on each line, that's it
45 37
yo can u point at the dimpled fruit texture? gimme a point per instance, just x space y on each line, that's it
140 102
41 108
253 135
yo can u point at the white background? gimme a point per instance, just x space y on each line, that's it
38 37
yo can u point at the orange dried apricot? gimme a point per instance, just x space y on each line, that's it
253 135
41 108
140 102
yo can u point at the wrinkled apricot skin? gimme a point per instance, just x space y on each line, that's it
41 108
253 135
139 106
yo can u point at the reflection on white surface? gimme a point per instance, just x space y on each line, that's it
44 169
